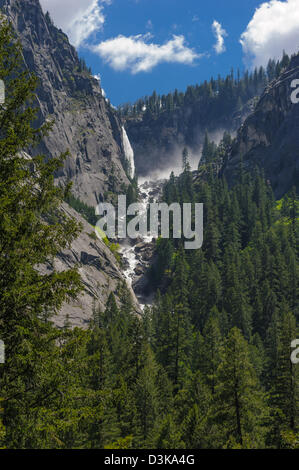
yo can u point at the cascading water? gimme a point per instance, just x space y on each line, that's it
129 153
148 190
127 249
132 256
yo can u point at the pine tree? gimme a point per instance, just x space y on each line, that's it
285 386
192 408
211 349
146 394
180 326
33 229
185 160
239 402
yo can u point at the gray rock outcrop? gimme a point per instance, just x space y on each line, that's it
84 122
99 270
269 137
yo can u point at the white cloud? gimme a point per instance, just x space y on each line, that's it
219 34
77 18
137 54
274 27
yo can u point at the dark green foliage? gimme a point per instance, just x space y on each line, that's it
86 211
33 230
226 93
239 297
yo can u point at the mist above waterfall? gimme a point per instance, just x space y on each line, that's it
172 161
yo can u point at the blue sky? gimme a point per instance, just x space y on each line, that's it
137 46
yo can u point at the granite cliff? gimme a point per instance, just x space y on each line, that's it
86 125
269 137
84 122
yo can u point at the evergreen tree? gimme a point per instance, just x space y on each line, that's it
33 229
239 402
285 386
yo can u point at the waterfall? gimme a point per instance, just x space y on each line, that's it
134 259
129 153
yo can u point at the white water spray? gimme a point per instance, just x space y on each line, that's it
129 153
148 192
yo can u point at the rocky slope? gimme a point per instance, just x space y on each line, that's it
84 122
99 270
269 137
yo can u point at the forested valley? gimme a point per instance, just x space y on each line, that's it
207 366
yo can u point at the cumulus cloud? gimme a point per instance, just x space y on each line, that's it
274 27
77 18
219 34
137 54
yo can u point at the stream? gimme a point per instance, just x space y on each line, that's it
137 253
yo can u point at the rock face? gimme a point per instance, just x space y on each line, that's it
84 122
163 137
89 128
269 137
99 270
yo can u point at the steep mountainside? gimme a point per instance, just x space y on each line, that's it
84 122
89 127
269 137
